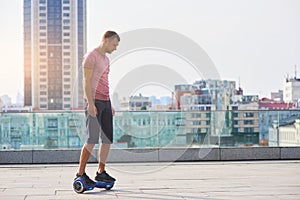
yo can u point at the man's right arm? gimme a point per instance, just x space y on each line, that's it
88 74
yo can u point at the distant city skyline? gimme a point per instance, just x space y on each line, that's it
254 41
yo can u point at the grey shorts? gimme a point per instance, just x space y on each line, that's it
101 125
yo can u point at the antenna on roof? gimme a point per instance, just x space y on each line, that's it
295 71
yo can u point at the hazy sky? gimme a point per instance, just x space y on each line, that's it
257 41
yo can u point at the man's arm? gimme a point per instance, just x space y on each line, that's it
87 81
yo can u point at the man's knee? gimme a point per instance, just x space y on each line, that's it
89 147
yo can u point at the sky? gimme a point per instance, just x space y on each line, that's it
254 41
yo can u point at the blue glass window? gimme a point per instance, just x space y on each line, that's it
66 21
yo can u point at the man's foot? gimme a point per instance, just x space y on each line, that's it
104 177
86 178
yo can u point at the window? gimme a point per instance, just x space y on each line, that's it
42 14
248 122
66 67
234 108
42 7
66 53
66 21
66 27
43 99
67 73
248 130
43 106
42 21
248 114
67 60
66 14
66 8
52 123
66 34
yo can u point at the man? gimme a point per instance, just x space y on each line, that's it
98 110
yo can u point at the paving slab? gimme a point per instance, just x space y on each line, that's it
161 181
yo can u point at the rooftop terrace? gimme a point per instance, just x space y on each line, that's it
162 181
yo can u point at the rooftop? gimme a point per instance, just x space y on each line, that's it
160 180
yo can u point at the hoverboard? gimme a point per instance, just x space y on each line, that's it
80 186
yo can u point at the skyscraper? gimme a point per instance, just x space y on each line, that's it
54 44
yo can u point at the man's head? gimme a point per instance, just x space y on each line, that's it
110 41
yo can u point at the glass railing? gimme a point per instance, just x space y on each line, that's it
153 129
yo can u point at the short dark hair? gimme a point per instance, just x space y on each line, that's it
111 35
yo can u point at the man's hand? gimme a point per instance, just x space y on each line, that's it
92 110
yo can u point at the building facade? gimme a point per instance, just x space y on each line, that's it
54 44
291 92
285 135
46 130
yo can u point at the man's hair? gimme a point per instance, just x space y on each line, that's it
110 35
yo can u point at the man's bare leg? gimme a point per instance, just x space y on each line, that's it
84 157
103 154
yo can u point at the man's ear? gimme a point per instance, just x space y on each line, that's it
105 40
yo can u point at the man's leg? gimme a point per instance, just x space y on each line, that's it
103 154
107 139
84 157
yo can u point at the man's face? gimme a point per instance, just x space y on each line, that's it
111 45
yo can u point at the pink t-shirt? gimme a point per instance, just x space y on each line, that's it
100 64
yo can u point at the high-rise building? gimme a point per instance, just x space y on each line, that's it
54 44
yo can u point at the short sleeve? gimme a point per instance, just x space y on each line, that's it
88 61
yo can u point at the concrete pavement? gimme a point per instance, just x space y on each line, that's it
162 181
